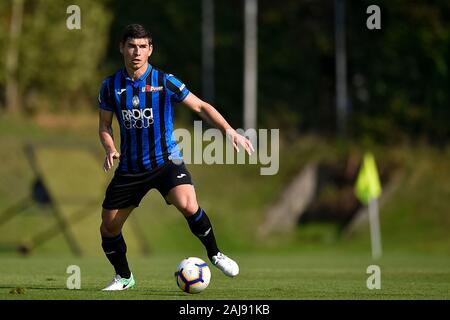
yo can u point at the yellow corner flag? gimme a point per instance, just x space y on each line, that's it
368 185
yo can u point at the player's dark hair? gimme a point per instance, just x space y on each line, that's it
135 31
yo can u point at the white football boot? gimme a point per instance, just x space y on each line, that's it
119 283
228 266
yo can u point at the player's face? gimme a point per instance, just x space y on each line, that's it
136 52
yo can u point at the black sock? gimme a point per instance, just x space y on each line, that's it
115 250
202 229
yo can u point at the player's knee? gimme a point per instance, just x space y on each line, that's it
104 230
188 206
108 229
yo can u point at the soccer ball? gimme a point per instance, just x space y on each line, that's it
193 275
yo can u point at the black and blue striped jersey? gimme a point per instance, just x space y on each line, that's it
144 109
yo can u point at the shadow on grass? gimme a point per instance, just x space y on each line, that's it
44 288
126 294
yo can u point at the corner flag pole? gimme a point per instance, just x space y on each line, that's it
367 190
375 234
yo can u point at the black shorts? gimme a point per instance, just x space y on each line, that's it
128 189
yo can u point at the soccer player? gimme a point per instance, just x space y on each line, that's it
143 97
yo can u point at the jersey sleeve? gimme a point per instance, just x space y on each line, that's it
104 101
176 88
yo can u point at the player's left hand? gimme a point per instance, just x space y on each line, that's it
239 140
109 160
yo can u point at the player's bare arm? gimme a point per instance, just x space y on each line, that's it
210 114
105 132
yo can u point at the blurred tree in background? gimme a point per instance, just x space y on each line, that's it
58 67
296 54
398 76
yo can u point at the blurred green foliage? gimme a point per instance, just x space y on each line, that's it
398 77
58 67
400 74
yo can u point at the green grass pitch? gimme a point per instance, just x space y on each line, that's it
274 276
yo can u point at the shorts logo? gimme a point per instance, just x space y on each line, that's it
137 118
181 176
149 88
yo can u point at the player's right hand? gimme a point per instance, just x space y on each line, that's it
109 160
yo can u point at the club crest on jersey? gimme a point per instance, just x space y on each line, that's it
135 101
149 88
